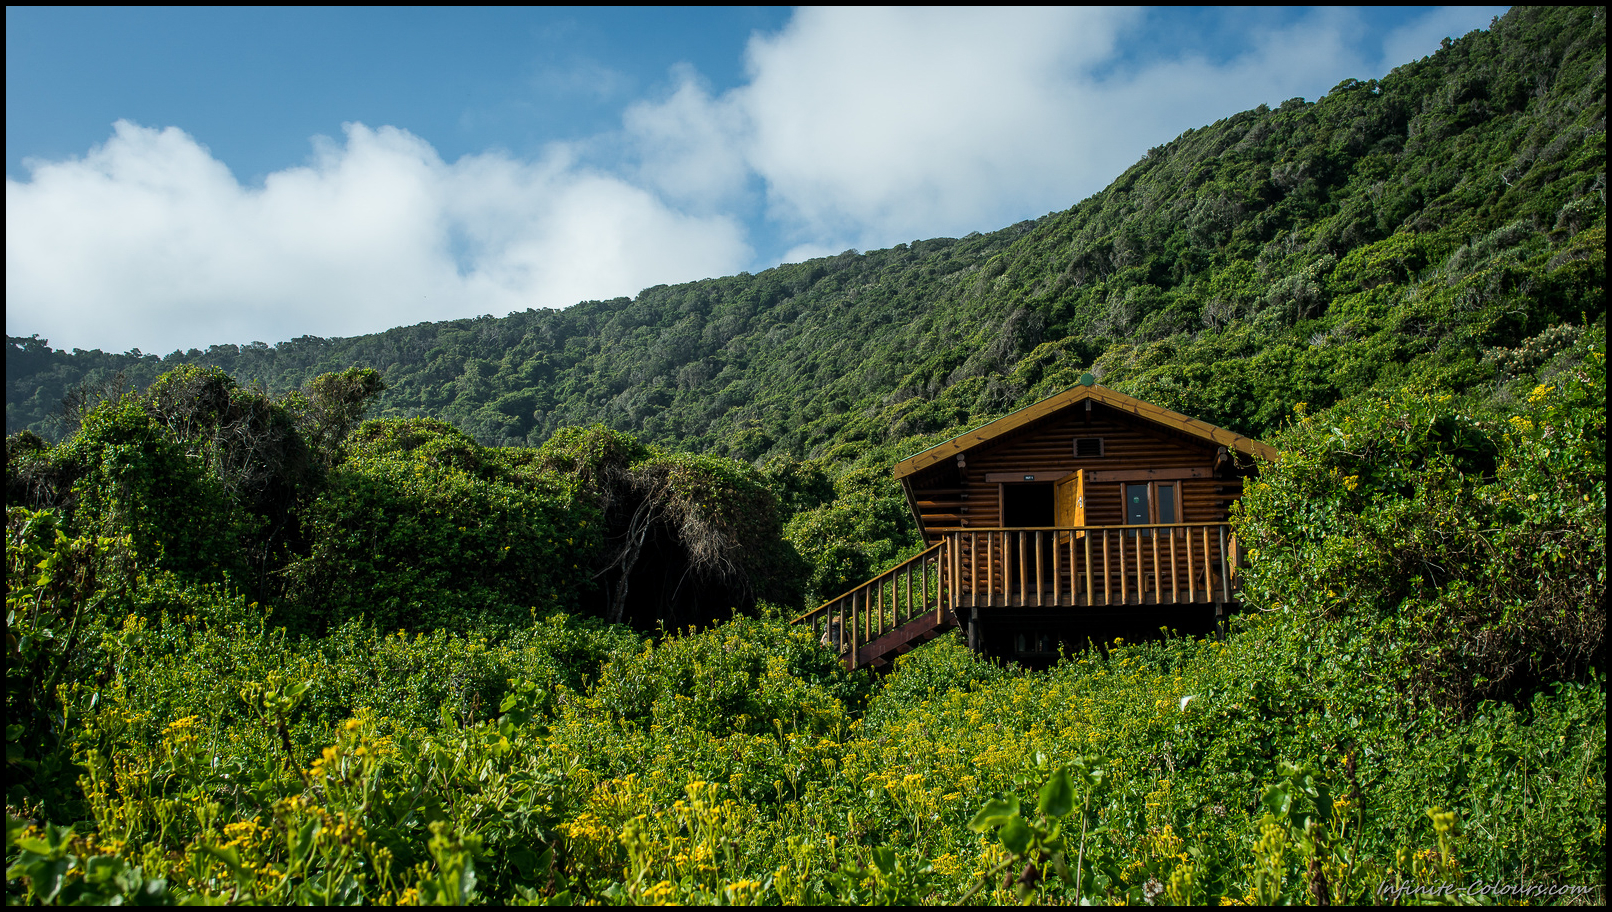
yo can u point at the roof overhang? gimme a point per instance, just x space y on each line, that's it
1030 414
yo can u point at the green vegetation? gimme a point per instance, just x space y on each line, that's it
260 650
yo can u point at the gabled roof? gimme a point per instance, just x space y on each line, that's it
1175 421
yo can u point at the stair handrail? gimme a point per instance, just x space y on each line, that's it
870 582
850 641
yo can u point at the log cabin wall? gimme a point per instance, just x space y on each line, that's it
947 496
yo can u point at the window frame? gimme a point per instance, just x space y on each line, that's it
1152 504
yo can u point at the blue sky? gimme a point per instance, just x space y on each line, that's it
177 178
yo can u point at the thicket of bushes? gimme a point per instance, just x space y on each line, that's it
261 651
1415 697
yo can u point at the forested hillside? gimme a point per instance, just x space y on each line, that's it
525 639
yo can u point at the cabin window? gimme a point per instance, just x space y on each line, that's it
1088 447
1154 502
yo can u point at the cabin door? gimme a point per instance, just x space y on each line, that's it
1029 506
1069 503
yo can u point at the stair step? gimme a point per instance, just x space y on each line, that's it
901 640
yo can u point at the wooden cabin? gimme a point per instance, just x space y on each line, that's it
1085 516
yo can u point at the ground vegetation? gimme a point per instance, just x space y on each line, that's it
522 636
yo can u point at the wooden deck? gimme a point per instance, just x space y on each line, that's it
981 573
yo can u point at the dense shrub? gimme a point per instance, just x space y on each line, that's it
130 476
422 528
1479 546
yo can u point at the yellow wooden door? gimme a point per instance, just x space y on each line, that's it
1069 503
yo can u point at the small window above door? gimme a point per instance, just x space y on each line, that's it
1088 447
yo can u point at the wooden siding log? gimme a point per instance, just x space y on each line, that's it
1167 474
1035 475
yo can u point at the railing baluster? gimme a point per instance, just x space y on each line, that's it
1074 578
1057 584
973 568
925 579
1124 581
954 552
998 556
840 635
1192 575
1175 591
848 631
1235 558
990 568
1141 561
872 606
1021 570
1208 569
909 612
1107 582
1225 575
1158 587
1091 601
1040 583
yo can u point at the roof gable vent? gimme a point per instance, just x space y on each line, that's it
1088 447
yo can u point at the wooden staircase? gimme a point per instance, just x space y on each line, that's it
891 614
883 652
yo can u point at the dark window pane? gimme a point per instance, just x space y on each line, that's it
1167 504
1136 504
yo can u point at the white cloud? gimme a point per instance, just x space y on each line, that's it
688 146
1420 37
872 126
904 122
150 242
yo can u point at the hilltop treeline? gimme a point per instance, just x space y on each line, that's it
263 650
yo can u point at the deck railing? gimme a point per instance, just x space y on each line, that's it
1095 566
1073 566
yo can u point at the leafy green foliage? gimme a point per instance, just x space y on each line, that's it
570 761
57 591
690 518
130 476
330 406
1478 546
866 528
421 528
209 698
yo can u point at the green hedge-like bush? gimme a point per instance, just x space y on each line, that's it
422 529
1478 546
